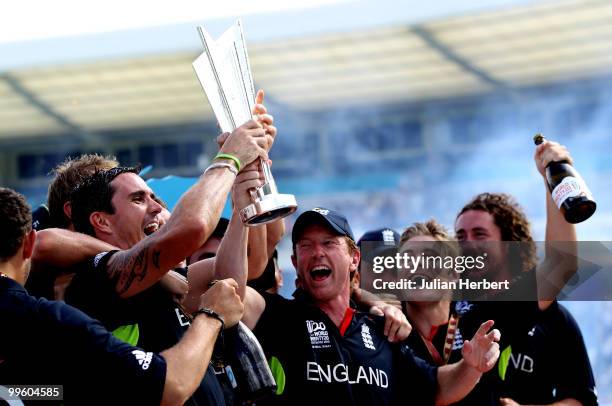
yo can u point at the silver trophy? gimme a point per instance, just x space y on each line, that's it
225 75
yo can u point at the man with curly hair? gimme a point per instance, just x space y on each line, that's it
441 324
492 218
497 217
535 331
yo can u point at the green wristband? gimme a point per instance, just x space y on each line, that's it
230 157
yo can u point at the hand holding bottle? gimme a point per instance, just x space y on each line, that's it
568 190
550 151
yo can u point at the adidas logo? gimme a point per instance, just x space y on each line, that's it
366 337
144 358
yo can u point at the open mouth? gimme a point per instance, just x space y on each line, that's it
319 273
151 228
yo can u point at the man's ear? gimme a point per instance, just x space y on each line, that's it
355 258
298 284
294 261
99 222
68 210
28 244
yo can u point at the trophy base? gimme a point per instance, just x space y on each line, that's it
270 208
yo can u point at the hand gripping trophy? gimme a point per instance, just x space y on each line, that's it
225 75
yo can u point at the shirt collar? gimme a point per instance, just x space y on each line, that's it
7 283
300 295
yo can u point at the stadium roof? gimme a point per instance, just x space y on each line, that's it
464 54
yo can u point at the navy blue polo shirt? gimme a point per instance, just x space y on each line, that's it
512 318
48 342
485 391
550 363
315 362
161 322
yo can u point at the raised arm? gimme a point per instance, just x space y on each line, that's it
257 251
557 229
192 221
231 260
262 239
262 242
560 264
232 250
274 233
201 273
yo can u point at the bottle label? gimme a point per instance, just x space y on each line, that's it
568 187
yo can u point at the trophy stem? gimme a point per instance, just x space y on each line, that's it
268 179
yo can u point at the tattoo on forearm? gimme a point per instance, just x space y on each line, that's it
130 268
155 258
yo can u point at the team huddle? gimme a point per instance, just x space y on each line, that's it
122 302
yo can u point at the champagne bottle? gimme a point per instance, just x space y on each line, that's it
568 190
248 364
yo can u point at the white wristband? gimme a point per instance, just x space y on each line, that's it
228 166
